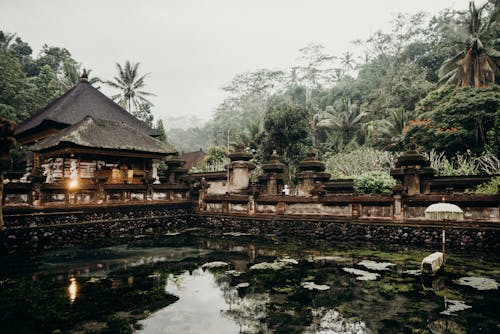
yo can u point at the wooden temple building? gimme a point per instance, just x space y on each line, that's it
85 148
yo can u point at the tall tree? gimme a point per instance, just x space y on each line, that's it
160 128
286 129
130 84
477 63
144 114
344 117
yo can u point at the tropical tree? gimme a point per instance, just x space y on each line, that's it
285 130
71 73
477 63
344 117
145 114
130 84
391 130
5 41
251 134
160 128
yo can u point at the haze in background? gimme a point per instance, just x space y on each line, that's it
192 48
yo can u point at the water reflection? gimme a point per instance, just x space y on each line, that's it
234 299
200 308
72 289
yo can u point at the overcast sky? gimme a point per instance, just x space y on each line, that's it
194 47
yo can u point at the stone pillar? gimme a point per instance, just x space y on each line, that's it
239 167
412 169
274 172
311 171
272 185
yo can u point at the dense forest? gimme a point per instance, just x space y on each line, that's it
434 79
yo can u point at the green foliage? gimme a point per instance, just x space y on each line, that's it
14 88
362 160
286 130
493 135
46 87
374 183
161 130
144 114
130 83
464 164
215 154
455 120
488 188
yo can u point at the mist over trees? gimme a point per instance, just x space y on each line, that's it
431 78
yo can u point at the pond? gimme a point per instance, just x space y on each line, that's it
197 282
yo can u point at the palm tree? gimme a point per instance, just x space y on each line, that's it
251 134
129 82
477 64
344 117
5 41
392 128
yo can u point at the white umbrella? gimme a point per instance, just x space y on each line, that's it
444 211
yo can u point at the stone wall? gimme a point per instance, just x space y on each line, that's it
456 236
54 229
396 208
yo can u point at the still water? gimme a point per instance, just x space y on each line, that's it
194 282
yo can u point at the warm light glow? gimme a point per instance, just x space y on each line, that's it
73 184
72 289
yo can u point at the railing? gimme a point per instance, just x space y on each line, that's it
28 194
392 208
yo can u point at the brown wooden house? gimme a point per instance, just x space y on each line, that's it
83 131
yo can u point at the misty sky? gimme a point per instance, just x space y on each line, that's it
194 47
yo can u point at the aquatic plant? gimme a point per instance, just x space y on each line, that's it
377 266
215 264
314 286
478 283
455 306
361 274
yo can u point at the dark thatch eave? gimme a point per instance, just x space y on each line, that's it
104 134
80 101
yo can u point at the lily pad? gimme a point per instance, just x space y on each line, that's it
413 272
327 258
288 260
377 266
314 286
276 265
361 274
215 264
236 234
479 283
455 306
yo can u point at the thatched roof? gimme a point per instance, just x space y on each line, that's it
104 134
80 101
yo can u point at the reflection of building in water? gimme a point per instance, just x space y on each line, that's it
72 289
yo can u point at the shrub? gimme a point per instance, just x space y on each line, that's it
488 188
359 161
464 164
374 183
